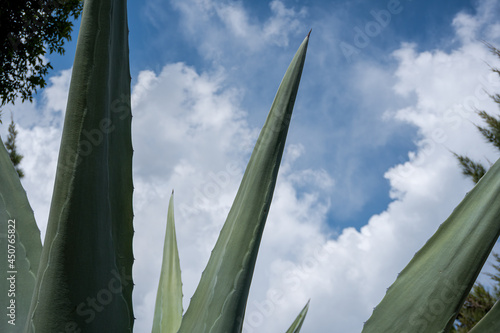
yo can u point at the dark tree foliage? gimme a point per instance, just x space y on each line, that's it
28 29
472 169
11 147
496 277
491 132
478 303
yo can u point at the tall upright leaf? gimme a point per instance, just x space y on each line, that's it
168 309
84 282
297 323
20 248
219 302
429 292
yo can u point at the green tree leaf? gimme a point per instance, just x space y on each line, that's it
472 169
11 146
30 29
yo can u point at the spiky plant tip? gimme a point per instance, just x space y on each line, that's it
297 324
219 301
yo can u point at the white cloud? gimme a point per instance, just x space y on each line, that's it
40 147
191 134
200 147
348 276
187 131
298 259
40 127
472 27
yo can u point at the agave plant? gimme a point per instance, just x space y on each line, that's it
81 279
429 291
168 312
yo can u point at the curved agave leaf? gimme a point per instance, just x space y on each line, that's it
490 323
297 324
429 292
84 282
219 302
168 309
20 248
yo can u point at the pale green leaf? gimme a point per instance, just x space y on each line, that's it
219 302
85 278
429 292
168 309
297 324
20 248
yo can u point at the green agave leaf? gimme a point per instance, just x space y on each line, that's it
20 248
84 282
168 309
490 323
297 324
429 292
219 302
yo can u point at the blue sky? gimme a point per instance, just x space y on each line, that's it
159 35
367 174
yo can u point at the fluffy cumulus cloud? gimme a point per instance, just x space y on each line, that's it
39 128
347 276
191 134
